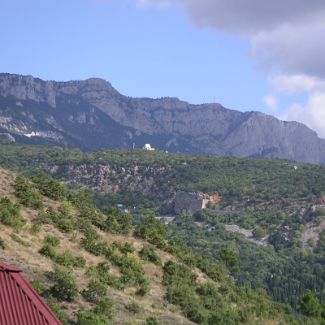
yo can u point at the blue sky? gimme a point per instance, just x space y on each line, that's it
146 49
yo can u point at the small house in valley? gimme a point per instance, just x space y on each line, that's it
191 202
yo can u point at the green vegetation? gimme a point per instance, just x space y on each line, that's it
133 308
153 231
64 285
151 321
52 240
2 244
259 179
131 268
105 306
65 258
209 304
49 187
311 306
285 273
60 218
35 228
95 291
27 194
19 240
10 214
268 198
91 318
101 273
117 222
149 254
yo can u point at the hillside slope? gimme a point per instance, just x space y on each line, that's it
91 114
269 218
114 276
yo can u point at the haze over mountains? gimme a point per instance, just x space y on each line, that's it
91 114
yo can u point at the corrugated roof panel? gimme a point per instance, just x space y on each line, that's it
19 302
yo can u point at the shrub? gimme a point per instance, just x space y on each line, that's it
56 308
184 295
124 248
38 287
210 295
225 317
64 285
231 260
117 222
35 228
310 305
93 246
148 253
64 220
178 273
19 240
2 243
68 260
151 321
153 231
105 306
100 272
91 318
86 227
10 214
94 291
133 308
49 187
130 266
90 214
48 251
27 194
60 218
144 288
52 240
259 233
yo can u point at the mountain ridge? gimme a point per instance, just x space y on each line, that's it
91 114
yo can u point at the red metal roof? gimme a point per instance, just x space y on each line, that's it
19 302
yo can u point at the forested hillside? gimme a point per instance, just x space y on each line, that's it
268 230
94 267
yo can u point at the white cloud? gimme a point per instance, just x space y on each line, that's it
297 83
271 102
312 113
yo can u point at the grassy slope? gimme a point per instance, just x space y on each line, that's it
35 265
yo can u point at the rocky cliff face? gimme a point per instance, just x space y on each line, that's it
91 114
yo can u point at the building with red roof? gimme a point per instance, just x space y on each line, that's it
20 304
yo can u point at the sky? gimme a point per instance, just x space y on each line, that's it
245 54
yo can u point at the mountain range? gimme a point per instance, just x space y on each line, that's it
91 114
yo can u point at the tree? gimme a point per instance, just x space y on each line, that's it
230 259
64 287
310 305
153 231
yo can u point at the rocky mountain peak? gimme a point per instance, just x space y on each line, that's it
91 114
